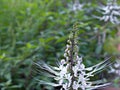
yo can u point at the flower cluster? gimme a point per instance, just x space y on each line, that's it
79 77
77 5
116 68
71 73
111 12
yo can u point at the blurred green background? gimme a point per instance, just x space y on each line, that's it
32 30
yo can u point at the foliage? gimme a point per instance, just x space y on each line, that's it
32 30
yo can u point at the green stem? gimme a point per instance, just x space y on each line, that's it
72 52
71 60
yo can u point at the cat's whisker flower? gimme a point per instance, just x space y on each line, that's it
111 12
72 74
77 5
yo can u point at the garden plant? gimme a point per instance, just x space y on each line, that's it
33 36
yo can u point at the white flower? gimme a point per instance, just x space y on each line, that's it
117 72
65 86
75 85
63 70
75 69
116 68
72 73
69 78
111 12
117 65
81 74
77 5
63 61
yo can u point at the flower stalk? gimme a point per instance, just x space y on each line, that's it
71 73
75 27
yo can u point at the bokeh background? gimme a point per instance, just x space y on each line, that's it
32 30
